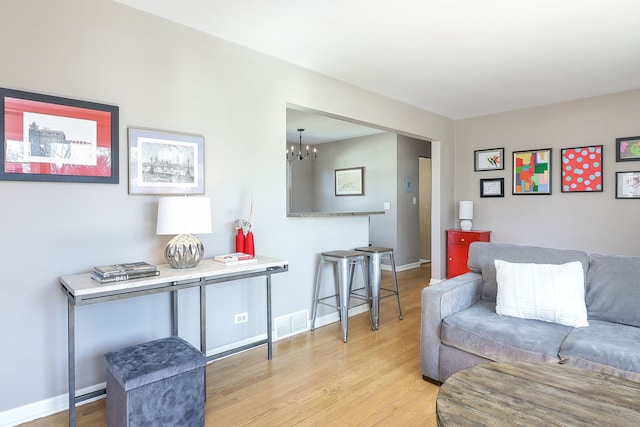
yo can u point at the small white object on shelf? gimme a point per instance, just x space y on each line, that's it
235 258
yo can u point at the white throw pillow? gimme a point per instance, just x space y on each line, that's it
548 292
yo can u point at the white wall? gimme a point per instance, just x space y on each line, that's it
162 76
594 222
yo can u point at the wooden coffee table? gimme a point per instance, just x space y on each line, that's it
536 394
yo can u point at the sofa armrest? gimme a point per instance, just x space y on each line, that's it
439 301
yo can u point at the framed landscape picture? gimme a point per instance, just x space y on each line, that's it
349 182
487 160
581 169
165 162
49 138
532 172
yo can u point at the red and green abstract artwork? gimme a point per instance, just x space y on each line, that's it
532 172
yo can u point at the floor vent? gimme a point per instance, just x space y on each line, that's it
291 324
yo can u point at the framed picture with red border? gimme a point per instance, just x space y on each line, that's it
581 169
49 138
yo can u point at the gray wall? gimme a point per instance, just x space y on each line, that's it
594 222
376 153
409 152
388 159
162 76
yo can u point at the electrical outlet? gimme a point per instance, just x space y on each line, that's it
241 318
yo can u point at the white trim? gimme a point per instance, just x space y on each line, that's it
334 317
46 407
410 266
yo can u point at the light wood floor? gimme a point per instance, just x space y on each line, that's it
315 379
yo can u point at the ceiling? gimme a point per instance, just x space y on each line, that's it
456 58
319 129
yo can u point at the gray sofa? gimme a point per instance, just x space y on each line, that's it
460 327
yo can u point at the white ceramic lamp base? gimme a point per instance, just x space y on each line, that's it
465 224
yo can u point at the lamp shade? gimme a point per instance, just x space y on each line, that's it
466 210
184 215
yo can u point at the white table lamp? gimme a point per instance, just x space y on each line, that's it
465 214
184 216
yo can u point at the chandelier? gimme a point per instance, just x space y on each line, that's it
291 155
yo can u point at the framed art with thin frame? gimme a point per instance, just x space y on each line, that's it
349 182
488 160
532 172
163 162
50 138
628 149
492 187
628 185
581 169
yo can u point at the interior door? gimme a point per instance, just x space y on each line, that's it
425 208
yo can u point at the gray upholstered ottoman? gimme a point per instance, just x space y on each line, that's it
159 383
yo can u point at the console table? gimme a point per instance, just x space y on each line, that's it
80 289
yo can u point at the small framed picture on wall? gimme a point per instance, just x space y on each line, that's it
488 160
492 187
628 185
628 149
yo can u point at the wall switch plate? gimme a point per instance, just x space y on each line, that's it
387 206
241 318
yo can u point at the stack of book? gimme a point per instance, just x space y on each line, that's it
235 258
121 272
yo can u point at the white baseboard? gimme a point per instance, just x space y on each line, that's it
403 267
334 317
53 405
44 408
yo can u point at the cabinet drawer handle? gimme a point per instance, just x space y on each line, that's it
462 240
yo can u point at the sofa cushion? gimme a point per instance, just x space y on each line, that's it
479 330
547 292
613 288
483 254
606 347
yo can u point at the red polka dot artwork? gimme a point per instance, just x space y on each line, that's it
582 169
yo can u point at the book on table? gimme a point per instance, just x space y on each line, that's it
123 277
121 272
126 268
235 258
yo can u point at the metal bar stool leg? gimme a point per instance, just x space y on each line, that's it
367 286
395 282
316 293
345 294
375 279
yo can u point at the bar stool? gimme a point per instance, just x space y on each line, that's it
374 255
344 263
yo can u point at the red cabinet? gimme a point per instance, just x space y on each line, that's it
458 242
